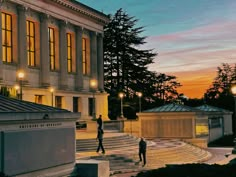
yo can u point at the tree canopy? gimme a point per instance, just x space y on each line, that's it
126 66
219 93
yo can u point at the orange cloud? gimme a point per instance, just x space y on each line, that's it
195 83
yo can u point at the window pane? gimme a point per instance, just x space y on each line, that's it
32 44
28 43
84 54
51 35
9 57
32 59
31 29
68 52
83 44
28 58
3 21
68 39
27 27
3 38
52 49
8 38
8 22
69 65
84 68
4 58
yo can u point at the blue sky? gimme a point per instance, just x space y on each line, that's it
191 37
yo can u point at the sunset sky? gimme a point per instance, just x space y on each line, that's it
192 37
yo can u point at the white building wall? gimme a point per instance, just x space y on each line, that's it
228 130
32 84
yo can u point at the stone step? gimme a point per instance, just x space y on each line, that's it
119 136
122 153
115 143
109 143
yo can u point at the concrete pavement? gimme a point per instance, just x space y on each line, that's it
218 154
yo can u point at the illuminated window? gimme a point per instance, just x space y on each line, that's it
38 99
69 52
202 128
85 56
52 57
30 31
7 38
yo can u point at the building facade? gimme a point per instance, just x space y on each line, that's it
201 124
52 50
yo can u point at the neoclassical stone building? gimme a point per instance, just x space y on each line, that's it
58 45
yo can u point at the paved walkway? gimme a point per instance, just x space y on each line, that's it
220 155
80 134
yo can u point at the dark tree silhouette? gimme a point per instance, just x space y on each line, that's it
219 94
126 67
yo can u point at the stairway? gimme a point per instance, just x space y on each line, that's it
119 141
122 152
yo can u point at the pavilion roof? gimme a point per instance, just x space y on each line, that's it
208 108
11 105
173 107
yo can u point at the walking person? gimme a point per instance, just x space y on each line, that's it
100 140
142 151
99 122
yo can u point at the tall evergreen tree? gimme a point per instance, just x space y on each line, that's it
124 63
219 93
126 66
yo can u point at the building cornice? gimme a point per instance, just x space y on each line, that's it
83 9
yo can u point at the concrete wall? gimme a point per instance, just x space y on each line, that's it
132 127
167 125
215 133
228 129
32 150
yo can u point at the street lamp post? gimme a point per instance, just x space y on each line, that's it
93 85
121 95
140 103
233 90
52 91
21 76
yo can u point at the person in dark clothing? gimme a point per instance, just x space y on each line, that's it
142 151
99 122
100 139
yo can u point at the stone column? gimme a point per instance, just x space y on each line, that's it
1 63
93 54
22 39
63 55
44 51
79 63
100 63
